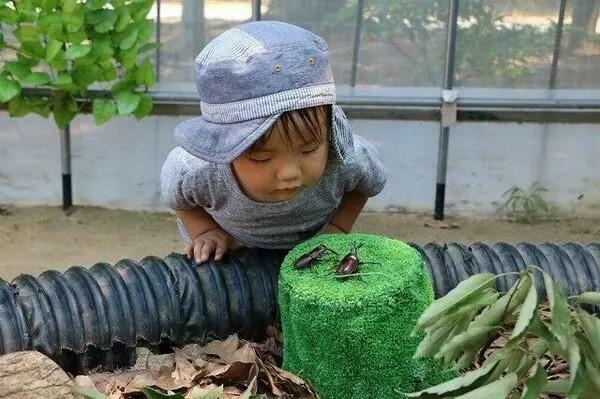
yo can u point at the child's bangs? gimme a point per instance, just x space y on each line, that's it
310 124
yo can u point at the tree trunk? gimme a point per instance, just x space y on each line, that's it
585 17
32 375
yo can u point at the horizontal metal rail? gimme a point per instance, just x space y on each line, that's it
424 108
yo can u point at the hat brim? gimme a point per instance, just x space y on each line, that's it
221 142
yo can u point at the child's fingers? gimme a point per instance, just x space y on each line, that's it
220 250
197 252
207 249
189 250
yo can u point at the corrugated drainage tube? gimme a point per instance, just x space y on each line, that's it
84 318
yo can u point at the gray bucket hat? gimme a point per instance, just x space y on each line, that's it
247 77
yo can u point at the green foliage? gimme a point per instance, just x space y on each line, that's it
514 363
526 205
67 46
489 51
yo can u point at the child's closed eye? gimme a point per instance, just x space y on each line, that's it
260 159
310 150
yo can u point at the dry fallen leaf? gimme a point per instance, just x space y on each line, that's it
226 369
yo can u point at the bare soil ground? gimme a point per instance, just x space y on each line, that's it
34 239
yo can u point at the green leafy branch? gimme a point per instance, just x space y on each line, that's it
65 46
524 348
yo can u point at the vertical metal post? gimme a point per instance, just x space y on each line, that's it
256 10
440 189
192 21
357 36
557 43
551 85
65 152
158 40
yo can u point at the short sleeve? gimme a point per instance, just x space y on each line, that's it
366 173
185 181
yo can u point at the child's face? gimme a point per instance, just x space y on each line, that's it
277 170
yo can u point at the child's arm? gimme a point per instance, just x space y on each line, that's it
347 212
205 234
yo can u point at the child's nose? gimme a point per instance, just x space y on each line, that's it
288 171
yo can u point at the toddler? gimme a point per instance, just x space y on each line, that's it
272 160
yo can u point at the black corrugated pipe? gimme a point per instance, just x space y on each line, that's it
574 267
85 318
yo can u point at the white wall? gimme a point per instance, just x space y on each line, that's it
117 165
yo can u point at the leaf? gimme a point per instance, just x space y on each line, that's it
461 326
248 391
127 58
103 110
17 68
74 21
33 49
88 393
53 48
145 74
84 76
51 25
526 314
592 298
69 6
148 47
560 326
129 40
496 390
8 16
436 337
592 375
506 305
37 79
77 51
591 327
26 33
473 337
144 107
574 363
461 293
127 102
502 357
152 393
123 19
102 50
146 28
76 37
206 393
559 387
141 9
20 106
103 20
458 385
535 384
8 88
64 108
95 4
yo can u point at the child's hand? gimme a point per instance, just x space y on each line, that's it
216 240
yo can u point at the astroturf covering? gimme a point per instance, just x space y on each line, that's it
351 338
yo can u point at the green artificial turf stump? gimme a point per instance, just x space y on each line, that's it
351 339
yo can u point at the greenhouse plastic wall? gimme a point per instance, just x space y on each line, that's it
388 57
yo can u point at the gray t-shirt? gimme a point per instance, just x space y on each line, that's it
188 182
